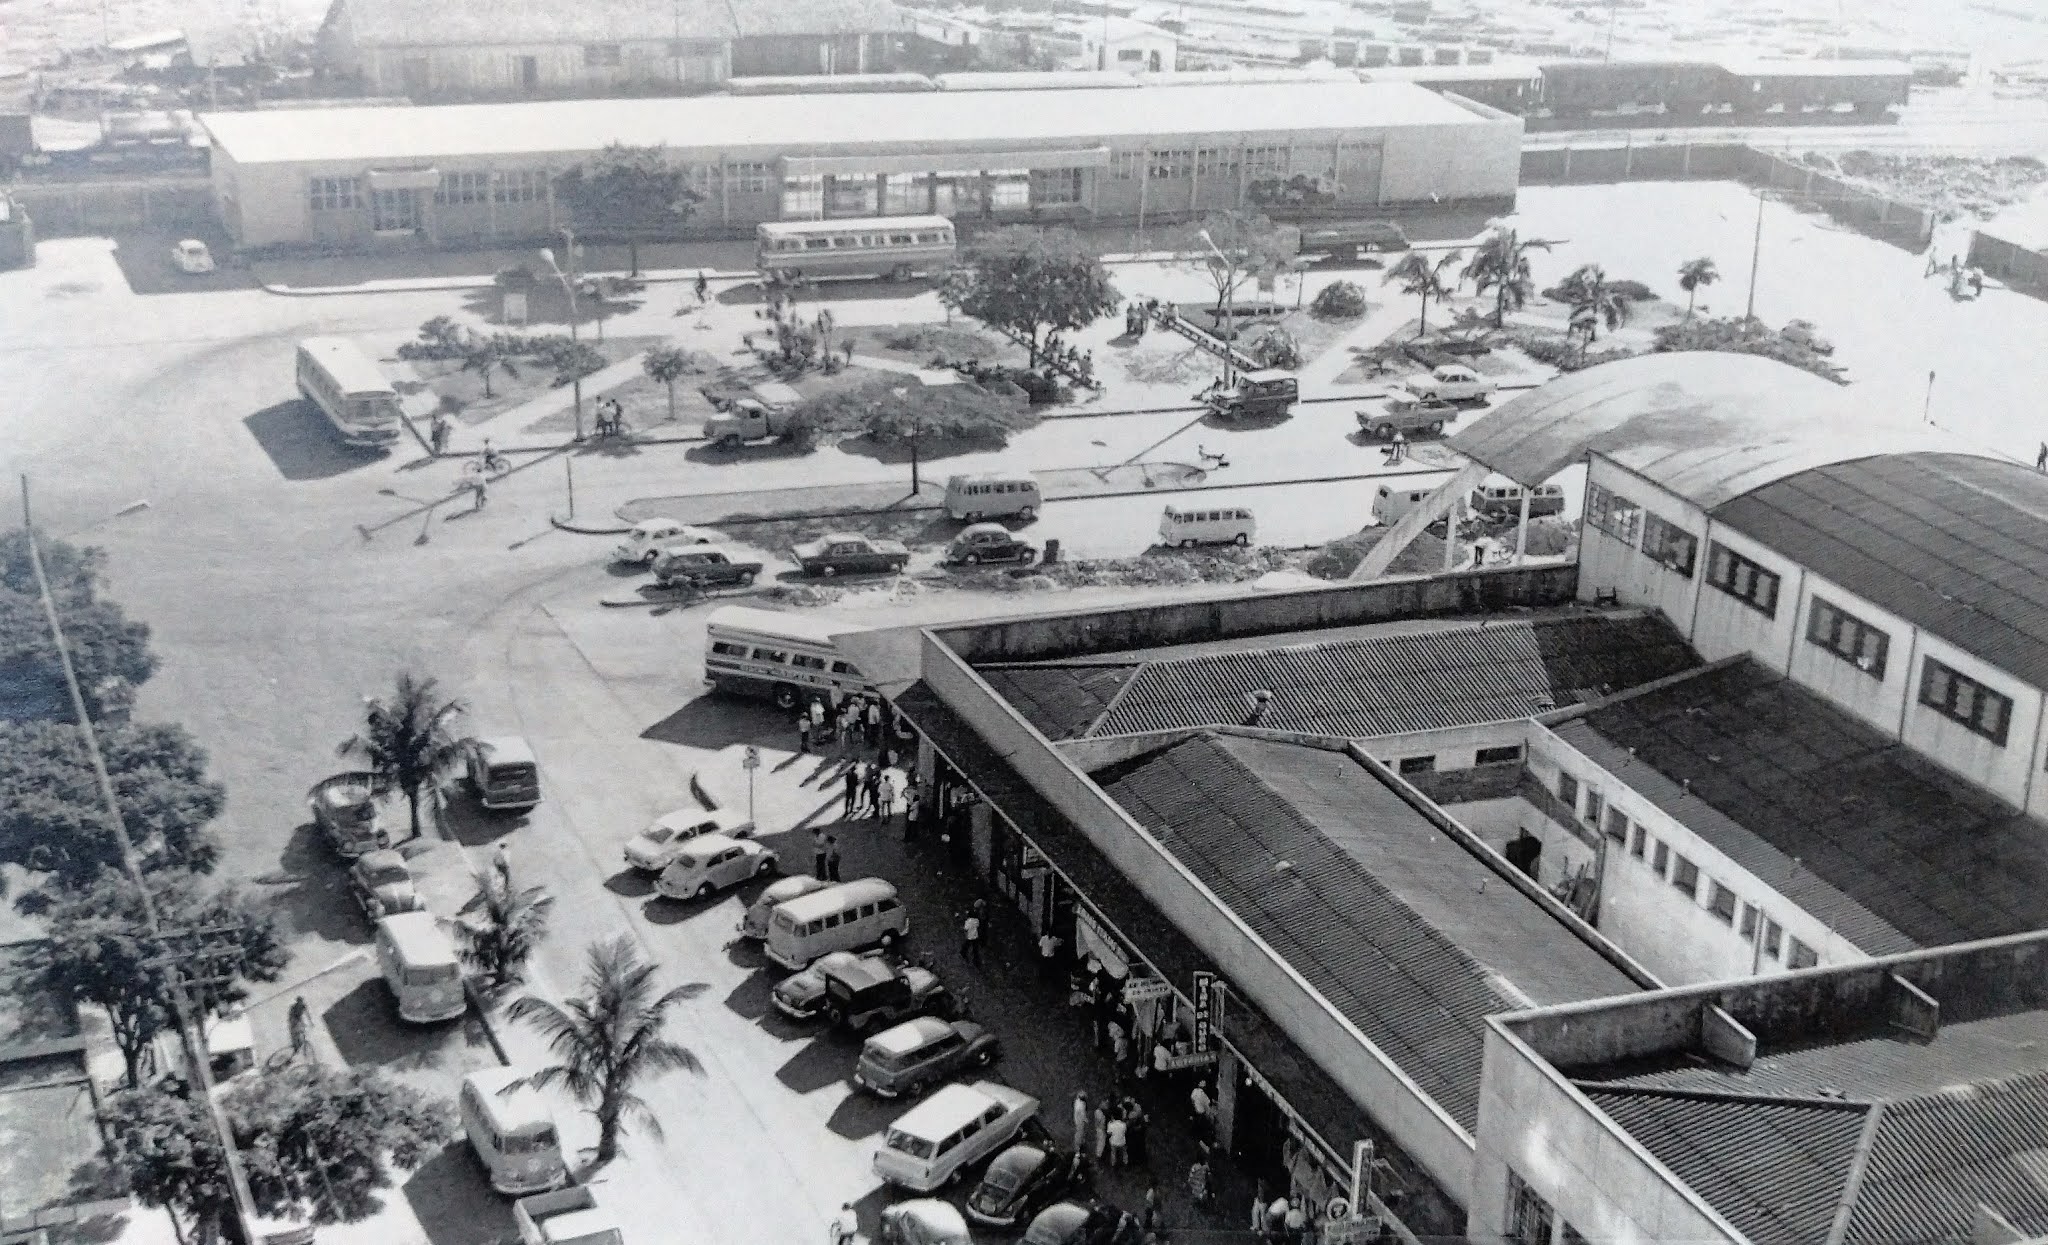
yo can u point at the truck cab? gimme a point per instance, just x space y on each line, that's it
568 1216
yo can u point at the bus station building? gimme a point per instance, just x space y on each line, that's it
483 174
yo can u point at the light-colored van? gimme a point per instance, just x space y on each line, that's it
1504 500
1206 525
503 772
848 917
974 498
957 1126
1394 499
418 960
512 1131
754 924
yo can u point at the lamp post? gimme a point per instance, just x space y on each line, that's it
1229 308
915 430
1756 252
569 288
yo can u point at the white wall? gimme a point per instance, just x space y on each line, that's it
1466 161
1607 564
1497 822
1878 702
1723 626
2006 769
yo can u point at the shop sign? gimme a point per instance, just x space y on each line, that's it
1193 1059
1205 988
1350 1231
1144 989
1033 864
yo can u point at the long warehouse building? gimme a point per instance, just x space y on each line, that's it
365 178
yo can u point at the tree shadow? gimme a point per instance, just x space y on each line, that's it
929 449
764 451
1245 423
452 1198
301 445
826 1060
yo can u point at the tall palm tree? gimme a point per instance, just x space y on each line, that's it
409 740
501 934
1594 301
1419 276
609 1040
1501 264
1692 274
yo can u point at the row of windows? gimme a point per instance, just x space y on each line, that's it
1743 579
334 194
1531 1218
1613 514
1670 546
339 194
1848 637
1507 754
1683 874
1964 701
1180 163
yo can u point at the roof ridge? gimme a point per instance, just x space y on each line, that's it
1629 1089
1859 1166
1096 722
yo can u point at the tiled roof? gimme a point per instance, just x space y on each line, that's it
1775 1169
1952 543
1488 671
1886 850
1377 909
1937 1158
1062 700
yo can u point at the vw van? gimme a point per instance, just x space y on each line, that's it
1206 525
847 917
512 1131
974 498
417 958
503 772
754 924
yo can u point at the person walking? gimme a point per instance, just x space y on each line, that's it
831 858
481 489
873 716
1048 955
803 733
871 790
913 813
1199 1099
1101 1133
1134 1115
970 938
1198 1181
501 864
2041 459
1119 1139
1080 1121
885 806
845 1226
1154 1207
701 287
849 715
300 1023
1119 1044
852 790
818 855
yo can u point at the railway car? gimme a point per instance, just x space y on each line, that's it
1575 89
1870 88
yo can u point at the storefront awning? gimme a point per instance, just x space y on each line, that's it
405 179
943 162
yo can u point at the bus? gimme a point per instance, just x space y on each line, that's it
895 247
789 658
350 390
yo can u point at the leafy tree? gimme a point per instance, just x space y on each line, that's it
571 360
504 929
610 1040
1501 264
1246 246
1032 283
1339 300
1427 279
110 652
52 820
1594 301
1743 336
634 193
610 291
409 740
486 355
1694 274
893 410
100 951
665 365
160 1139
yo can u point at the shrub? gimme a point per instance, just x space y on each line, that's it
440 338
1339 300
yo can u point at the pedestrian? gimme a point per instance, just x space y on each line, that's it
1932 263
852 790
1119 1045
970 939
299 1020
831 858
1140 1124
1199 1099
1048 955
1080 1121
849 715
1198 1181
818 720
501 864
1276 1219
1119 1140
437 436
1400 445
1159 1057
482 492
2041 459
1101 1132
1295 1226
702 287
1148 1216
1976 282
886 809
872 720
818 856
871 790
845 1226
803 733
913 813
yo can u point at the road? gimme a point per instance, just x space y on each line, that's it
1951 127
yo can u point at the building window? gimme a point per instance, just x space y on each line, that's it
1721 902
803 198
1417 765
1749 922
1127 166
600 55
1743 579
1127 55
1216 162
462 188
1617 825
1670 546
1685 875
1772 934
1799 955
1848 638
1613 514
1172 165
1265 161
1568 791
1507 755
1661 857
1962 699
1054 187
335 194
521 186
748 178
1637 836
1596 807
1529 1216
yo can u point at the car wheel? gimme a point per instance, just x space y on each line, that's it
1384 432
973 516
828 570
916 1090
785 696
1028 513
835 1014
1027 557
887 940
1436 428
766 867
649 558
1188 543
985 1057
1241 539
704 890
900 273
746 577
972 559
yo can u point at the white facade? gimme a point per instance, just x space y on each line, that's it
1124 46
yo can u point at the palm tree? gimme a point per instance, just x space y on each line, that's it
410 740
1693 274
1419 276
665 365
610 1039
488 355
505 929
1501 264
1594 302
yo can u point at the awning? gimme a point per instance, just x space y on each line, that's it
944 161
405 179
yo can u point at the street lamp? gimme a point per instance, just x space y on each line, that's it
569 288
915 429
1229 307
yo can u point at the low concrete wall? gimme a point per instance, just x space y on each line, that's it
2015 265
1627 160
117 207
1045 636
1903 224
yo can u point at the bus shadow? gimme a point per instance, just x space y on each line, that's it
301 445
708 723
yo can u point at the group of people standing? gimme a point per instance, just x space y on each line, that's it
855 721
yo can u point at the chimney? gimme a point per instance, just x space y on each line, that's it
1262 703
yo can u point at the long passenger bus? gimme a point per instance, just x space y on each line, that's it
896 247
788 658
349 389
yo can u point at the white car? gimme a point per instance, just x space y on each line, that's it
191 257
713 862
1451 383
645 541
652 849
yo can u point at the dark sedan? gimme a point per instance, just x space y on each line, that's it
1019 1182
1070 1223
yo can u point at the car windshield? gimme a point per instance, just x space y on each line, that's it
907 1143
386 875
535 1141
660 834
1003 1178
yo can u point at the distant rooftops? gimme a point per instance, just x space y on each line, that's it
421 23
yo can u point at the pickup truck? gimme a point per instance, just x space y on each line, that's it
1450 383
568 1216
702 566
765 413
1422 415
839 552
345 809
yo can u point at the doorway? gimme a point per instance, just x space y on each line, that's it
394 211
529 72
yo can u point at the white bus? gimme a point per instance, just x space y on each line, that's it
789 658
349 389
886 246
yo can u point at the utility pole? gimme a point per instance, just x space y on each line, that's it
1756 251
190 1034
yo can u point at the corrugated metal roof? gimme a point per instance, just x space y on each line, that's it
1939 1157
1776 1170
1062 700
1953 543
1487 672
1707 425
1842 820
1341 878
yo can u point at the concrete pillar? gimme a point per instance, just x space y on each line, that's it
1522 531
1229 1076
1685 161
1567 173
1628 156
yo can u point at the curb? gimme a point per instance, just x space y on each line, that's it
575 528
425 285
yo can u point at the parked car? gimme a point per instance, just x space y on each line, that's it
1020 1182
652 849
713 862
345 809
918 1053
702 566
922 1221
1071 1223
932 1143
1802 332
645 540
754 925
867 991
988 542
1423 415
1255 395
801 995
191 257
1450 383
839 553
382 883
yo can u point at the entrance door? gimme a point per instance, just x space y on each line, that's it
1258 1129
529 73
394 211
